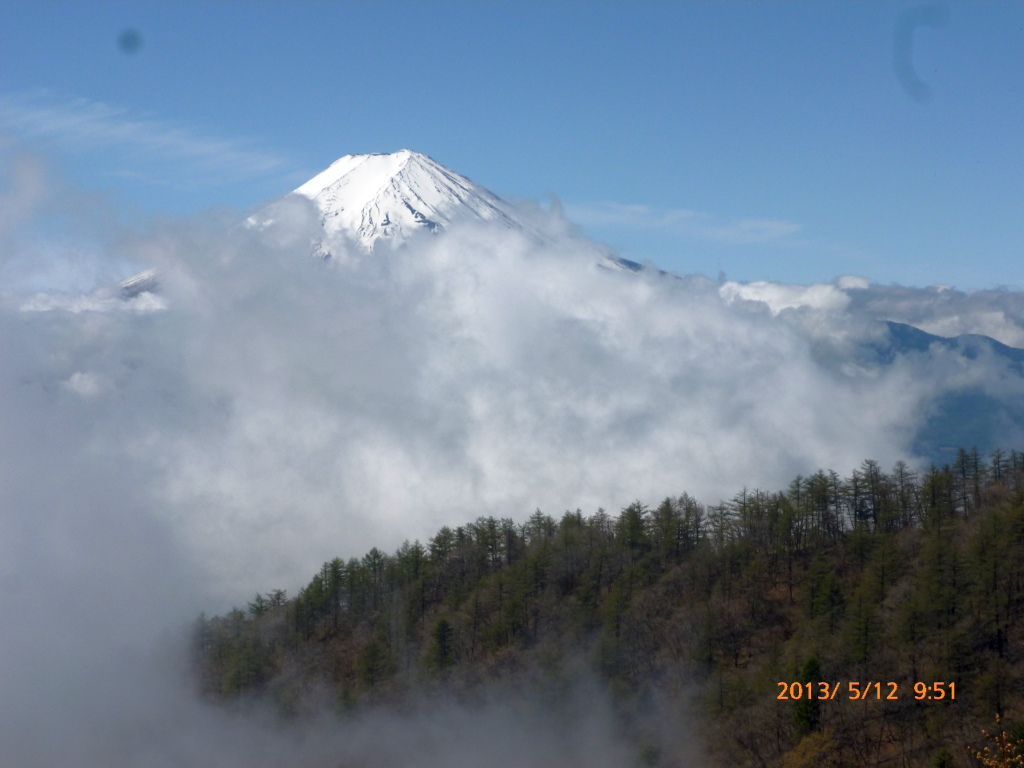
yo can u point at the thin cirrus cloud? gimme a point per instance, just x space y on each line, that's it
684 221
79 123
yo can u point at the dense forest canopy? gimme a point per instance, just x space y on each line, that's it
892 577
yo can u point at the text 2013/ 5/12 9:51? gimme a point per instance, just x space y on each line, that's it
930 691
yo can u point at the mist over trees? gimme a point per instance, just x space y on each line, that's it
880 577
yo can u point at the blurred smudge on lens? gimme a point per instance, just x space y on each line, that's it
934 16
129 41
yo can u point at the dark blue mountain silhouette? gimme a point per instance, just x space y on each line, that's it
969 417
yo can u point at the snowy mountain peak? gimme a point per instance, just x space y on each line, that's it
391 197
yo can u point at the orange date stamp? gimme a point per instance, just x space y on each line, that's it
854 692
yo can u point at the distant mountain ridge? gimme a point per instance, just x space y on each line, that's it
970 416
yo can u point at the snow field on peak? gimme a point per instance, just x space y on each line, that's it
390 197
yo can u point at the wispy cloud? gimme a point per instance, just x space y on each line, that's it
682 220
83 124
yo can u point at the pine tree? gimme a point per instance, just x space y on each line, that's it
442 650
807 710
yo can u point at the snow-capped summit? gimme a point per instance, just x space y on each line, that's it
390 197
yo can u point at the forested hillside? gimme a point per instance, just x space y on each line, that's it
881 577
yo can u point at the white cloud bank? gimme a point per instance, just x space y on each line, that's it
778 296
297 411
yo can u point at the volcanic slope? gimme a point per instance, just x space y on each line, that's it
386 198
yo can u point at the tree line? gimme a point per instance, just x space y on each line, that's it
880 576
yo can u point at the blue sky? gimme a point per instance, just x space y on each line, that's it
767 141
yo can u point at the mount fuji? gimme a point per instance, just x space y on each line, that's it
384 199
387 198
375 203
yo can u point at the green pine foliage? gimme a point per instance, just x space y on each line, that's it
878 577
807 710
